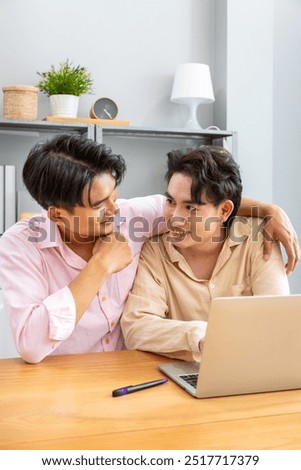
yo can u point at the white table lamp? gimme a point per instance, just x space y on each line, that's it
192 86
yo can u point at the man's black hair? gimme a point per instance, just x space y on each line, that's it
57 171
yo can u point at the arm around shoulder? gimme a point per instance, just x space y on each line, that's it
278 227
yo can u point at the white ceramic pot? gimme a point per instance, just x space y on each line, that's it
64 105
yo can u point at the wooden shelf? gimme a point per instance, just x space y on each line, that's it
101 122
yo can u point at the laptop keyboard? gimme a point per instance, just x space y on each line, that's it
191 379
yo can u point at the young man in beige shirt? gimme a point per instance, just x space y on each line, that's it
208 252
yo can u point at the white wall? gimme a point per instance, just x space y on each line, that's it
247 87
287 115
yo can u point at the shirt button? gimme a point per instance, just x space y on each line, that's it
212 286
103 299
107 340
112 324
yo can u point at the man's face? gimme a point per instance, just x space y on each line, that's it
189 223
93 220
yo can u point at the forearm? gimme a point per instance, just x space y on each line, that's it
153 333
277 227
86 285
255 208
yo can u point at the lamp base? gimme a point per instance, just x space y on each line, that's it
193 123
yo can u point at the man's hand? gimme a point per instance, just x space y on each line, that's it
110 255
113 251
279 227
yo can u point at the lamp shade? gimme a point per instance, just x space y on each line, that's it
192 82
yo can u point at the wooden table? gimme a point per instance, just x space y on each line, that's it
65 402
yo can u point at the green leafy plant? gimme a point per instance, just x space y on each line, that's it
66 80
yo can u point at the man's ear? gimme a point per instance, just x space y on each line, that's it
226 209
55 213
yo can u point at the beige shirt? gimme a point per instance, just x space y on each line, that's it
167 310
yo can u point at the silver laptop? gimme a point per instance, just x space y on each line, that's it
252 345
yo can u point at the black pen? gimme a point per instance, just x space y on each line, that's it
135 388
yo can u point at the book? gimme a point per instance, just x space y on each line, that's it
1 199
9 196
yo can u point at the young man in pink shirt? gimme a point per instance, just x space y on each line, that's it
67 273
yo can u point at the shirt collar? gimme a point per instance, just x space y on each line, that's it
46 234
173 254
44 231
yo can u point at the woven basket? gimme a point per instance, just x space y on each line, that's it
20 102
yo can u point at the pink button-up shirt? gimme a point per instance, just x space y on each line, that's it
36 269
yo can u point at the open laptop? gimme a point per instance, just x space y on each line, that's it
253 344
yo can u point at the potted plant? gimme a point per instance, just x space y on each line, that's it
64 86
